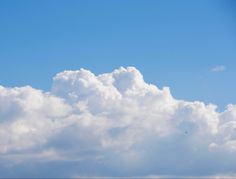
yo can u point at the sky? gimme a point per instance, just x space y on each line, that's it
81 83
173 43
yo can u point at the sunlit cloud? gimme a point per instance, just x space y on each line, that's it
112 124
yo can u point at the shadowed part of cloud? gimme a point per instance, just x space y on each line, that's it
112 124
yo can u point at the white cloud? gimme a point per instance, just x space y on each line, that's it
113 124
219 68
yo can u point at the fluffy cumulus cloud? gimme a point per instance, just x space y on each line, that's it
113 124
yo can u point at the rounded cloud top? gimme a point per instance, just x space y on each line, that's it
121 82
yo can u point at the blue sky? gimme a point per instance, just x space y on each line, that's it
173 43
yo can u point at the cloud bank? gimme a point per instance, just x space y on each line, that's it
113 124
